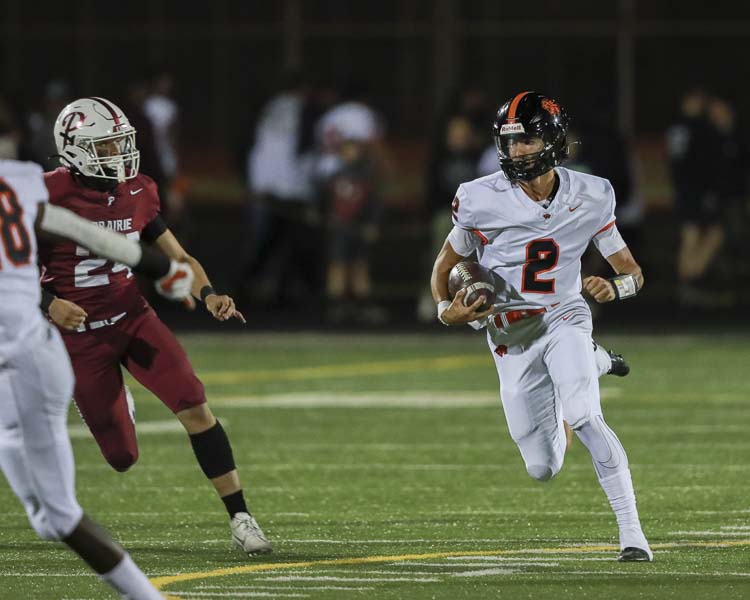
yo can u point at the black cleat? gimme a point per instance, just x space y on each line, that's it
632 554
620 367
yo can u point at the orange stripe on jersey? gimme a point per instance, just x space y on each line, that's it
514 106
481 236
603 229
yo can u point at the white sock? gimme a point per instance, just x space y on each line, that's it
611 466
130 581
621 496
603 361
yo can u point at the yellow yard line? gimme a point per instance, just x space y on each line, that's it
339 370
161 582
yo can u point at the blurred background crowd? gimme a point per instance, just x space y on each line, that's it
308 152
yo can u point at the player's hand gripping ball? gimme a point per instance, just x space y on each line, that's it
478 281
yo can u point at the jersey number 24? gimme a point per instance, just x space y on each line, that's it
83 276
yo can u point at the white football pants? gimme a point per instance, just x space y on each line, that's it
548 373
36 385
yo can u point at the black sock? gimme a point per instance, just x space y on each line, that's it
235 503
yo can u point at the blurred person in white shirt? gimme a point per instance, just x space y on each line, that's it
283 263
163 112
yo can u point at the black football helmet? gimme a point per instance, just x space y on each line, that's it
530 115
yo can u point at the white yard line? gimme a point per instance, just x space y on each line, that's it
711 533
533 560
357 572
40 574
349 579
239 595
519 562
142 428
282 587
526 484
282 542
628 573
487 572
396 541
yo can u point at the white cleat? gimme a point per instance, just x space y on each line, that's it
248 535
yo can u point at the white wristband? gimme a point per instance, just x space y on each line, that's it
441 308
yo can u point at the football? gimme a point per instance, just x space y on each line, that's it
478 281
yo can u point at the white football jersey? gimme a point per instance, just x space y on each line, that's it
21 189
536 250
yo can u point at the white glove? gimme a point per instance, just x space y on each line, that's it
176 284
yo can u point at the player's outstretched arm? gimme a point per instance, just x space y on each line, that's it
452 312
220 306
173 279
628 282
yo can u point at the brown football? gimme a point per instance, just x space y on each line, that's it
478 281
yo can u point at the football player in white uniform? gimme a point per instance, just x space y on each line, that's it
530 224
36 379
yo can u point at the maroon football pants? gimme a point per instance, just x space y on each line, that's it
152 354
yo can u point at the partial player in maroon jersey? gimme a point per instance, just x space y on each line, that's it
106 321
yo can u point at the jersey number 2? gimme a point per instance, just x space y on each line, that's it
541 256
16 241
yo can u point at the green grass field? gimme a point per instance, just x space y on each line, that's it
381 467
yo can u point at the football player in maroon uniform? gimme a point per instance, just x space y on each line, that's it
105 320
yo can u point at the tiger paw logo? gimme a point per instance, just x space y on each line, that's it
551 106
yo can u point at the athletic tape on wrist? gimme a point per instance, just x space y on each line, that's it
626 286
441 308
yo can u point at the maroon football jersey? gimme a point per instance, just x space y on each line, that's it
99 286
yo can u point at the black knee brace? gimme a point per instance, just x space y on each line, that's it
213 451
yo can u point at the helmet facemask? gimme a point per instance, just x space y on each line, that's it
519 161
112 157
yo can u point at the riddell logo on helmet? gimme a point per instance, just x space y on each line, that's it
509 128
551 106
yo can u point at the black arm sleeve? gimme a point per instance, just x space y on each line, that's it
153 229
153 264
